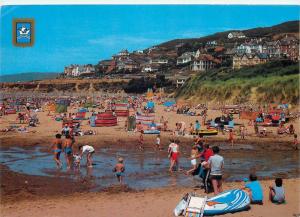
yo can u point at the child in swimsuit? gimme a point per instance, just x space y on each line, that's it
194 153
119 170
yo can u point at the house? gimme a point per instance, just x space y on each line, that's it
127 64
185 58
272 48
233 35
150 68
121 55
211 43
204 62
289 47
249 47
199 52
159 60
181 80
246 59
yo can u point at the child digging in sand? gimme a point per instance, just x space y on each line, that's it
119 170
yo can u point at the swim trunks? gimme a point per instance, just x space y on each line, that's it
118 174
68 150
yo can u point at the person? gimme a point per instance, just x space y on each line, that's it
254 190
194 153
90 151
243 131
215 164
57 149
119 170
197 126
66 130
191 129
173 151
67 149
291 129
157 144
230 139
295 142
276 193
141 141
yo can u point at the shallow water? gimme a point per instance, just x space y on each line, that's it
149 168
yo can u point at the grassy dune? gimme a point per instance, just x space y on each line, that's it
271 82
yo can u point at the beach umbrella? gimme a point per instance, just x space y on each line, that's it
169 103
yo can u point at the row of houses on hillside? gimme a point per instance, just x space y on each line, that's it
76 70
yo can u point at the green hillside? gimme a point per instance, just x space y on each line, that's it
286 27
270 82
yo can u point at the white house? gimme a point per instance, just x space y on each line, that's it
232 35
159 61
250 47
185 58
204 62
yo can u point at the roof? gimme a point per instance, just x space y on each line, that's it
207 57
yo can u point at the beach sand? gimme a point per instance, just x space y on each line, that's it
24 195
149 203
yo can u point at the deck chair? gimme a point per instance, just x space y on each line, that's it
196 207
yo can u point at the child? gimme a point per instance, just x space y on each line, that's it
158 142
76 160
141 141
276 194
194 153
254 190
119 170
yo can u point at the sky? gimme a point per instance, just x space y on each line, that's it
81 34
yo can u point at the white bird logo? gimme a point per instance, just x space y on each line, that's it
23 32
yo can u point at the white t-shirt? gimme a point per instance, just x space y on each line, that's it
173 147
87 148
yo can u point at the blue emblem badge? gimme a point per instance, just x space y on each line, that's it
23 32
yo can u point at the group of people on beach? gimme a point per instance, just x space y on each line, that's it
66 146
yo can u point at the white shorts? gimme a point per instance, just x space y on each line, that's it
193 162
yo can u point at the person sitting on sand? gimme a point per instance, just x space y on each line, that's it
57 149
67 149
194 153
276 193
254 189
119 170
89 150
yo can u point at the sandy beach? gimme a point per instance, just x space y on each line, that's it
33 195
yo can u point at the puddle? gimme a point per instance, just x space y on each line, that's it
148 169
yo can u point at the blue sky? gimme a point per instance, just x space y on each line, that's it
87 34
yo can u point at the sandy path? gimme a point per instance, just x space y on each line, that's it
158 203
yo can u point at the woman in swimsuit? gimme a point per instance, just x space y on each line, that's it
57 149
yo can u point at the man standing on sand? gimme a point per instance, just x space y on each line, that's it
67 148
295 142
57 149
